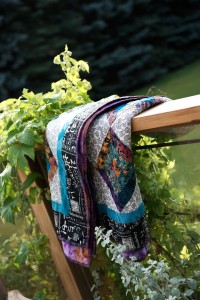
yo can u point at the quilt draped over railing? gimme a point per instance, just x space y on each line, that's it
92 178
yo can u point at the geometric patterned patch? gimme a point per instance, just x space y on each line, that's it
115 165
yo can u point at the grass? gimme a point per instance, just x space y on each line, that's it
184 82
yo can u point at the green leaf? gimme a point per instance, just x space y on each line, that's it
192 284
157 297
18 119
12 133
16 155
41 240
188 293
33 194
22 163
84 66
39 296
27 137
7 214
174 280
30 179
56 60
52 100
9 124
159 209
8 201
6 172
175 292
22 254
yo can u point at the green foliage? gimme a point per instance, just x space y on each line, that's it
26 263
22 126
96 285
149 280
22 129
171 217
127 43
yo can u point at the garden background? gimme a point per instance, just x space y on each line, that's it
126 43
130 47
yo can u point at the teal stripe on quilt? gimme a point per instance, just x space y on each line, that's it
123 218
63 207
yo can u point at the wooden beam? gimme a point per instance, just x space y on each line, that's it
185 111
75 279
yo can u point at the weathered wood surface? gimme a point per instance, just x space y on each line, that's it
185 111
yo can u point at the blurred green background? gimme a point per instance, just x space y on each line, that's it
127 43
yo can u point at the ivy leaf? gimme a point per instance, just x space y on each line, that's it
16 155
18 119
174 280
32 194
84 66
22 254
192 284
8 201
41 240
30 179
159 209
8 124
39 296
188 293
52 100
6 172
12 136
7 212
175 292
157 297
27 137
56 60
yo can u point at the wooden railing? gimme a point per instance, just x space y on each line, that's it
185 111
75 279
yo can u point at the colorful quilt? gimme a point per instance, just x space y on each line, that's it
92 178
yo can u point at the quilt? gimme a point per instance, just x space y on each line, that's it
92 178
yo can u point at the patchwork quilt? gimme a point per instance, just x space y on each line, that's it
92 177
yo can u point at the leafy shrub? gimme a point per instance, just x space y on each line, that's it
149 280
22 127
